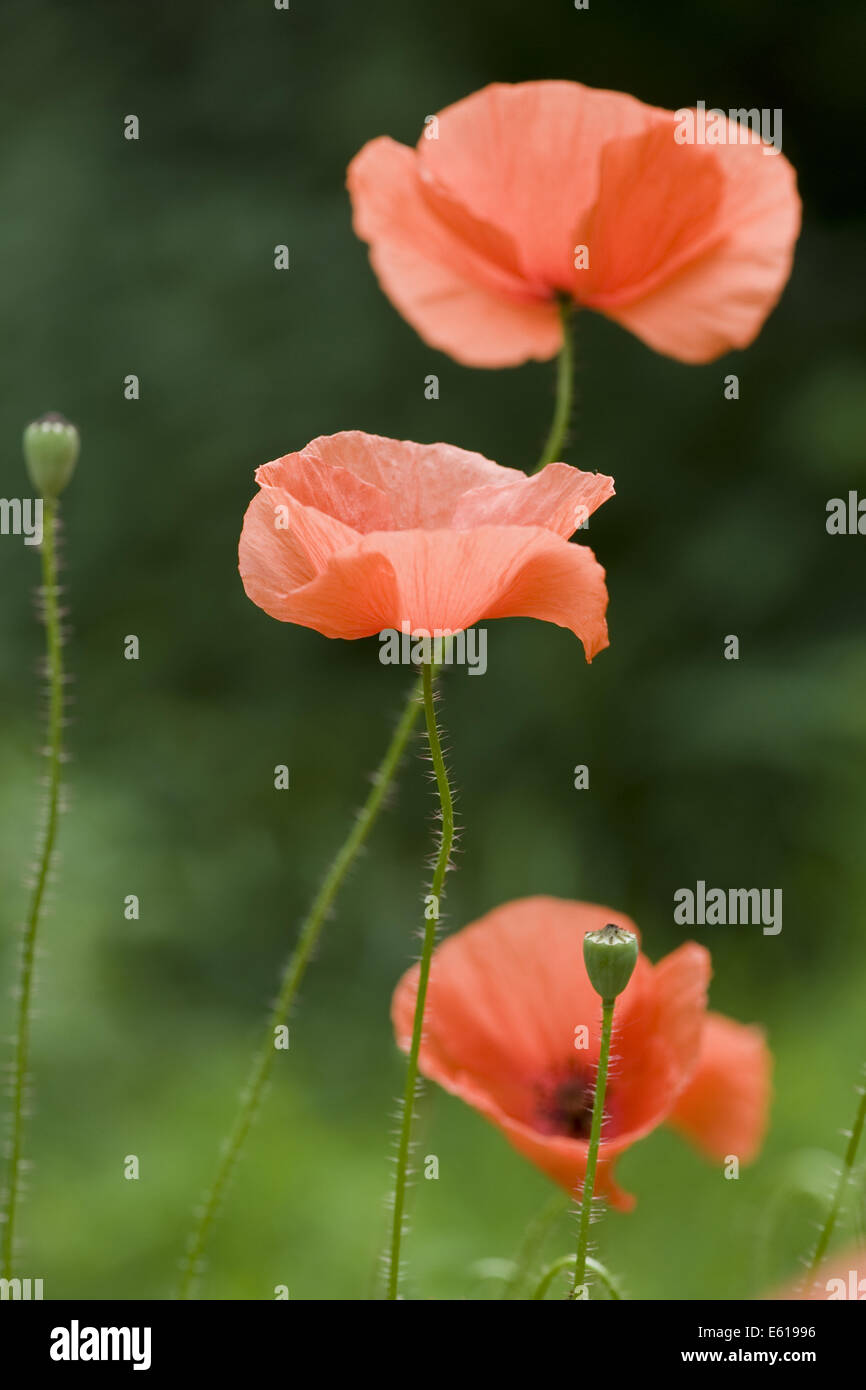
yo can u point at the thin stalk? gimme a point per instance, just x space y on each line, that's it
565 1262
253 1092
45 856
564 391
532 1242
404 1145
838 1196
594 1141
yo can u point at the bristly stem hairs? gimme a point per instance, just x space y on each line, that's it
393 1269
292 978
51 447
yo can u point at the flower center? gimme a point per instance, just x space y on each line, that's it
565 1107
572 1106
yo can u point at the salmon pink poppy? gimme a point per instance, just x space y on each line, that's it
521 195
509 1007
357 534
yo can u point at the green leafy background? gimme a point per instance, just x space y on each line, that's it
156 258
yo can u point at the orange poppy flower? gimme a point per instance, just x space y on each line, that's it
357 534
476 232
508 1011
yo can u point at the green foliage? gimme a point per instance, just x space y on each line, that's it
155 258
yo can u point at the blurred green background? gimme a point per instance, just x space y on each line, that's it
156 258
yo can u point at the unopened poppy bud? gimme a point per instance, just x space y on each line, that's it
610 956
51 447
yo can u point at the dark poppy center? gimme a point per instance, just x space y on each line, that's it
565 1107
572 1108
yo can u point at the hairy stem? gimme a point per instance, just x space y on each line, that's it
838 1196
252 1094
565 1262
532 1242
564 391
594 1141
45 856
404 1146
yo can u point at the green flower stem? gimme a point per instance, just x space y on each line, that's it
532 1242
594 1141
838 1196
45 856
564 390
565 1262
446 841
252 1095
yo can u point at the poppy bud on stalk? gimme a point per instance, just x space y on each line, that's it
51 447
610 956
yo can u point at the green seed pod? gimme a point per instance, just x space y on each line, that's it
51 447
610 956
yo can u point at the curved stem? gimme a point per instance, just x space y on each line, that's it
565 1262
594 1141
564 391
251 1096
45 855
838 1196
532 1242
446 841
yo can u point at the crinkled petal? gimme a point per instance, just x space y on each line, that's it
657 210
559 498
316 481
525 159
724 1107
474 234
394 205
313 572
285 544
422 484
357 533
456 292
473 325
450 580
690 246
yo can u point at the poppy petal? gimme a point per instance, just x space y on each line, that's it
450 580
723 1109
357 534
455 296
718 227
524 158
330 488
313 572
422 483
564 1160
657 210
658 1032
498 1019
559 498
497 1014
475 233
